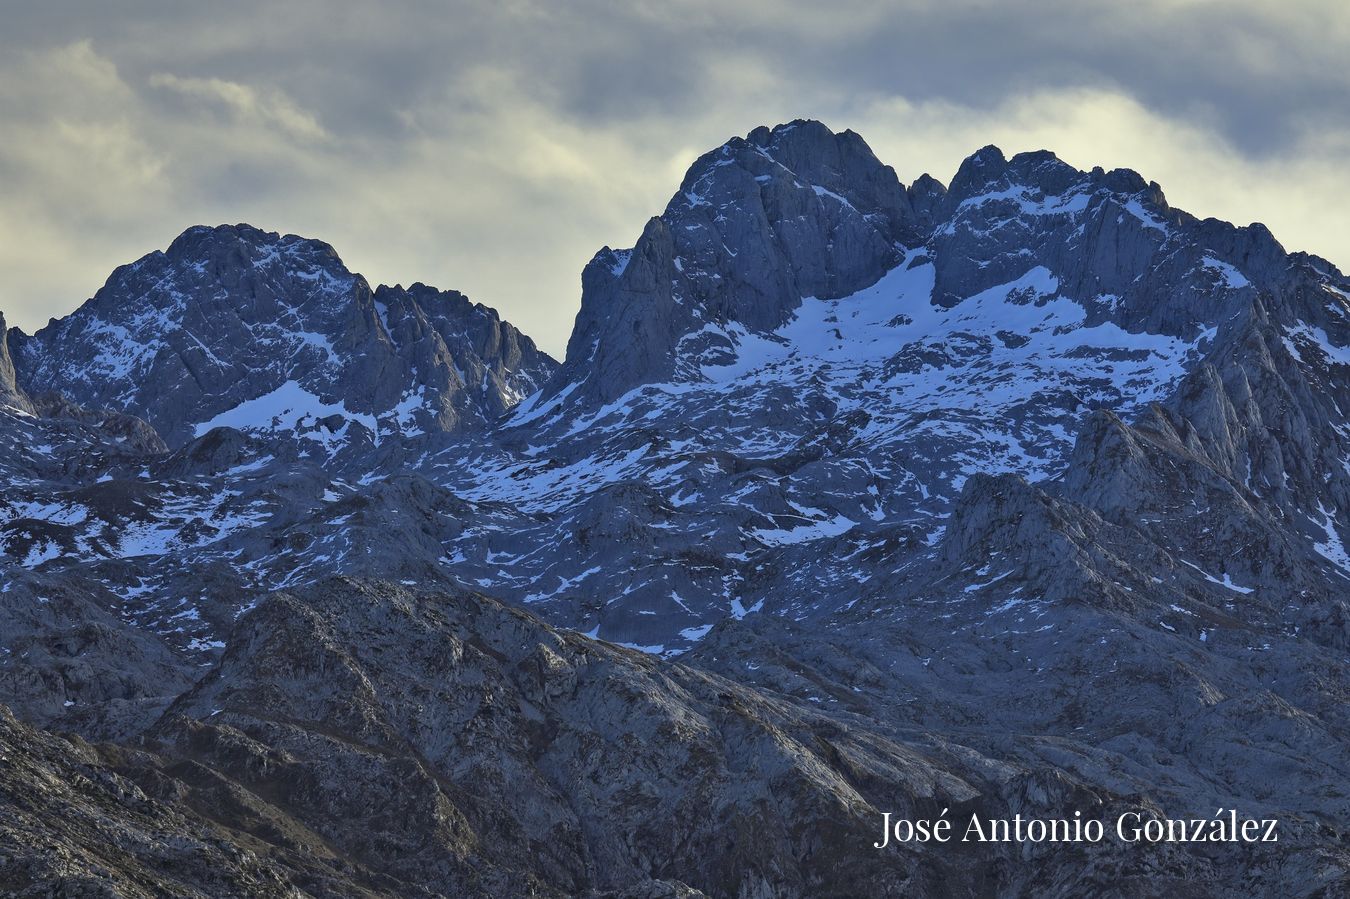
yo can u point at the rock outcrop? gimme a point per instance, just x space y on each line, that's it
11 397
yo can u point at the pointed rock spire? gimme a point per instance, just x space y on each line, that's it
10 394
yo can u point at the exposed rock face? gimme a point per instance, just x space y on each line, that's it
500 745
68 658
71 826
496 756
757 225
236 322
1026 493
10 394
1111 241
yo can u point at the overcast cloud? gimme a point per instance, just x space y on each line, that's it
492 147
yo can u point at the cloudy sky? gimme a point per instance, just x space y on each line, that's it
492 147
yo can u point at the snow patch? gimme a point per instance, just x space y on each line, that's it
285 408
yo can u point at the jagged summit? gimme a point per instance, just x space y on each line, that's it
235 325
198 241
758 224
1042 170
764 222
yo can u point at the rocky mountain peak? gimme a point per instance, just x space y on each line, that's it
764 222
232 325
230 253
978 170
200 242
758 224
988 171
926 197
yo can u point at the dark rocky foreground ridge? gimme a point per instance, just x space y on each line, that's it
1018 495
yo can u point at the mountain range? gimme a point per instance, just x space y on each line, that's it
1016 495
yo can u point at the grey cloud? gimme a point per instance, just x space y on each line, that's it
1259 67
271 107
